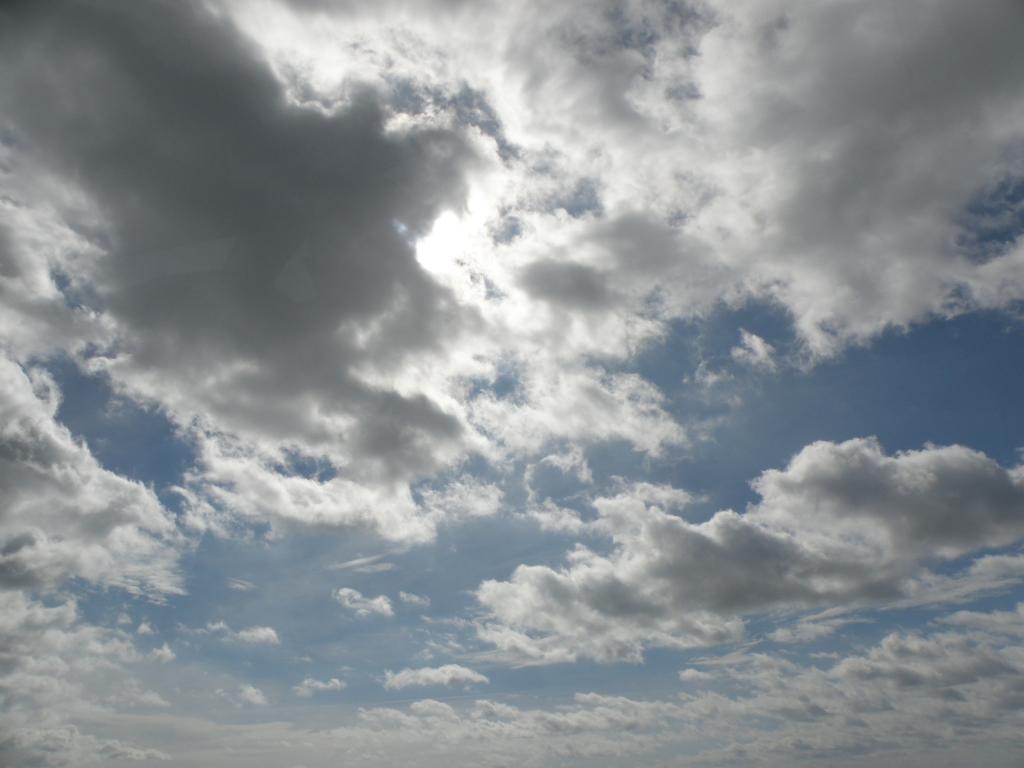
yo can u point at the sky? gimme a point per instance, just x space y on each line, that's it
606 383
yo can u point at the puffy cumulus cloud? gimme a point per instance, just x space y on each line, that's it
309 686
857 152
844 524
164 654
247 694
56 669
363 607
64 515
936 502
447 674
258 636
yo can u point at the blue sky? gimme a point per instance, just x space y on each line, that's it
459 383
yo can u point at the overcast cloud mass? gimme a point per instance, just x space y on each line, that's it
431 382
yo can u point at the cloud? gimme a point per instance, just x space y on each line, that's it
309 686
392 269
258 636
238 293
416 601
249 636
828 157
363 607
694 675
163 654
371 564
55 667
844 524
250 694
754 351
993 622
910 698
238 485
463 498
448 674
67 517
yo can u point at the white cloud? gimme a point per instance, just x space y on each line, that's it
65 516
239 484
416 601
994 622
463 498
57 667
363 607
309 686
255 635
694 676
447 674
250 694
946 693
258 636
371 564
754 352
163 654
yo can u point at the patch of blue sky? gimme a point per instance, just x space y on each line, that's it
955 381
127 438
993 220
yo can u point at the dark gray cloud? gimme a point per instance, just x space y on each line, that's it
562 282
256 253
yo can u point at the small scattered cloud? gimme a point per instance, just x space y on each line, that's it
363 607
250 694
310 686
754 351
413 600
258 636
447 675
163 654
255 635
371 564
